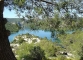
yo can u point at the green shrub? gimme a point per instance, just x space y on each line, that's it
37 53
11 27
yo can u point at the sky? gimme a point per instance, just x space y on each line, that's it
9 14
12 14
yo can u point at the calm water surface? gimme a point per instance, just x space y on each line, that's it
40 33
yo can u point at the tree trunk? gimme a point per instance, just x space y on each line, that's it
5 49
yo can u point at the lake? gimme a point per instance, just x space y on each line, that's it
40 33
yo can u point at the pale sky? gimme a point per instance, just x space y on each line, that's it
9 14
12 14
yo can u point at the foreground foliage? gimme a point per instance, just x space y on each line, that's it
48 50
73 43
39 51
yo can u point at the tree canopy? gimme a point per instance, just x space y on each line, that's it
34 8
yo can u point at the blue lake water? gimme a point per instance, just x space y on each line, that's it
40 33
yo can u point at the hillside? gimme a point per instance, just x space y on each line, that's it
14 19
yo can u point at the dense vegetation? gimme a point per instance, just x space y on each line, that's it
38 51
12 24
11 27
73 43
48 50
57 24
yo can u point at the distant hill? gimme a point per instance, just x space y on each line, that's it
14 19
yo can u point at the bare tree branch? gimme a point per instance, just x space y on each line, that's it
49 2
